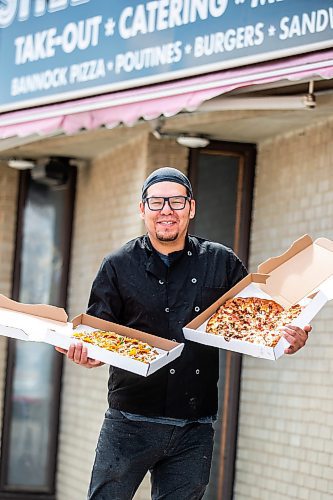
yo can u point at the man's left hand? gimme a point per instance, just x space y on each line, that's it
296 337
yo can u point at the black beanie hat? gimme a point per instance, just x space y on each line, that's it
166 174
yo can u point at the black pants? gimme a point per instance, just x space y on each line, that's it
178 458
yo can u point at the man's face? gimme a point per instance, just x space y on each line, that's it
167 225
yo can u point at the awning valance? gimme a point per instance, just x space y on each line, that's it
166 99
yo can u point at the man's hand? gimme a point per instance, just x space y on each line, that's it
79 354
296 337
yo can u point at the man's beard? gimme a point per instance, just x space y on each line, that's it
167 237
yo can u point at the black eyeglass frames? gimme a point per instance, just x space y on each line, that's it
158 202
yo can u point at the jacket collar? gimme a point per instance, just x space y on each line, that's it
154 263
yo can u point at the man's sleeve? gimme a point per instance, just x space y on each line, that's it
236 270
105 300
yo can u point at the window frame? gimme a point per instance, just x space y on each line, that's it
49 493
228 441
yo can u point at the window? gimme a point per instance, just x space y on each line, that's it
29 444
222 177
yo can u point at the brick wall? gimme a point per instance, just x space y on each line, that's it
166 153
285 447
8 203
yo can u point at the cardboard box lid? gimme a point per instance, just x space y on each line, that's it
305 267
39 310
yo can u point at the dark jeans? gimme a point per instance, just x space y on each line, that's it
178 458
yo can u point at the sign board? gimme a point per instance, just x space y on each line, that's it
52 50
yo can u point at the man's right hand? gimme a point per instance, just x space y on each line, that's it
79 354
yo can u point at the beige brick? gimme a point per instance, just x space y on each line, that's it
166 153
291 399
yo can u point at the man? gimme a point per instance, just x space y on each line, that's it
157 283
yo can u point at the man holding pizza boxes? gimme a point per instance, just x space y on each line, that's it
158 283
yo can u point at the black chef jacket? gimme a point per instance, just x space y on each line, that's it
135 288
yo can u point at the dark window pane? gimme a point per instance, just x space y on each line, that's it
216 197
30 430
42 258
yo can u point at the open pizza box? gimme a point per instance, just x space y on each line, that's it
48 324
168 350
302 275
31 322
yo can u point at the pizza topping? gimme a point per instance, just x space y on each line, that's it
252 319
126 346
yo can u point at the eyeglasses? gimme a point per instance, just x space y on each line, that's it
175 202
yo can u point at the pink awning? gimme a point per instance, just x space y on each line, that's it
166 99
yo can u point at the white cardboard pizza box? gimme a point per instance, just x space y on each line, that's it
303 274
48 324
31 322
168 350
307 266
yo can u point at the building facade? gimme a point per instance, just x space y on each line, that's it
264 179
